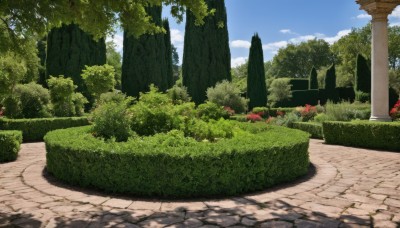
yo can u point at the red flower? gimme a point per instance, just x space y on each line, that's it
229 110
395 111
253 117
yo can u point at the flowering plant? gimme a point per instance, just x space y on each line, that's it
395 111
308 112
253 117
280 113
229 110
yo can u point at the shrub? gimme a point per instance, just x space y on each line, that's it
178 94
62 93
112 120
261 111
36 129
346 111
362 97
79 103
274 112
211 111
171 165
99 79
395 111
211 131
314 129
253 117
279 90
12 71
366 134
307 113
287 120
321 117
113 97
10 142
28 101
227 95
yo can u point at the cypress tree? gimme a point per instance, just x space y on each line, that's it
206 57
330 84
363 75
168 54
144 60
256 87
41 46
313 79
69 49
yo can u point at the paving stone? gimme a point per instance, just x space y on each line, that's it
223 220
248 222
276 224
118 203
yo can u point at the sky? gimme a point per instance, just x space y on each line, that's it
278 23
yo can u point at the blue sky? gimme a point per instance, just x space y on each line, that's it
281 22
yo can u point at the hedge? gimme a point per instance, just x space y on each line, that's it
314 129
346 94
299 83
259 157
36 129
366 134
10 142
301 98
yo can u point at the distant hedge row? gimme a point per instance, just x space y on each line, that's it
314 129
36 129
10 142
165 166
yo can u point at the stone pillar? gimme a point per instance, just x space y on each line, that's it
379 10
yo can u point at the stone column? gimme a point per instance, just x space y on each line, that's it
379 10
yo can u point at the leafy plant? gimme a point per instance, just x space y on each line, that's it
62 96
99 79
211 111
178 94
227 94
280 90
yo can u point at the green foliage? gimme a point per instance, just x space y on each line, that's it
274 112
211 111
287 120
206 57
69 50
366 134
313 79
112 120
226 94
299 83
345 111
79 103
362 97
346 94
12 71
296 60
168 55
256 87
99 79
28 101
362 86
321 117
36 129
330 84
10 142
175 64
178 94
212 130
171 165
62 96
144 60
239 77
314 129
280 90
111 97
114 59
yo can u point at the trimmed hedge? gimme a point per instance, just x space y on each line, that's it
303 97
366 134
36 129
299 83
346 94
10 142
314 129
258 156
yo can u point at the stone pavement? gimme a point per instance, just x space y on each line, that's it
349 188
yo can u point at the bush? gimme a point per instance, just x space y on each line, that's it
227 95
321 117
171 165
211 111
346 111
307 113
287 120
211 131
10 142
99 79
395 111
314 129
253 117
362 97
274 112
12 71
112 121
279 91
28 101
372 135
178 94
62 94
113 97
79 102
36 129
261 111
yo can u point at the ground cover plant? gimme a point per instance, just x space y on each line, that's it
174 150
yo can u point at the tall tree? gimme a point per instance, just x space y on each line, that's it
144 60
168 54
175 63
114 59
363 75
256 87
313 79
296 60
330 84
206 57
69 50
41 46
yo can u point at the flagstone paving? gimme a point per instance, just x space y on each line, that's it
350 188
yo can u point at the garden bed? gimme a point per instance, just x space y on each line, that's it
365 134
10 142
35 129
164 165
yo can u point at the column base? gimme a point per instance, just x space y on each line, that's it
380 119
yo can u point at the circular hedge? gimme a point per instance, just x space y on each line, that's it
168 165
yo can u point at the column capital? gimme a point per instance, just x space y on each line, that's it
378 9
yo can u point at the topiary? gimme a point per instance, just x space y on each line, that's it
62 92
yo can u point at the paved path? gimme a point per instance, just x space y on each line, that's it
351 188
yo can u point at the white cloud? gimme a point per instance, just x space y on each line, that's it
395 13
176 36
238 61
286 31
240 44
333 39
118 40
300 39
363 16
275 45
